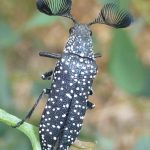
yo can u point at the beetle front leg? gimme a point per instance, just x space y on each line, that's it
96 55
50 55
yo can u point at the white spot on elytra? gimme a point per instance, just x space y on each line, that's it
64 115
68 95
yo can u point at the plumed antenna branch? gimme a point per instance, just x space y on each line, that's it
113 16
55 7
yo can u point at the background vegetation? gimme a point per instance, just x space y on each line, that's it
121 118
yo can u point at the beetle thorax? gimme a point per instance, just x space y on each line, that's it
80 41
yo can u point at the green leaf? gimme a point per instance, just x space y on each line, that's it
104 143
125 66
8 37
143 143
4 84
39 20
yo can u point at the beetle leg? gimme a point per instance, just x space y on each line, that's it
90 105
31 110
96 55
47 75
91 92
50 55
46 91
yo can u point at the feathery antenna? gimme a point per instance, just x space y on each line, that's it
113 16
55 8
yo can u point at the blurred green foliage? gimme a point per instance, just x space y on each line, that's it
143 143
126 66
24 30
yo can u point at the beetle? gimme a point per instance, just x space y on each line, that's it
73 75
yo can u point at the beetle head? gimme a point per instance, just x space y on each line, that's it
80 41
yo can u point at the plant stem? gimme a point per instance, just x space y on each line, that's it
31 132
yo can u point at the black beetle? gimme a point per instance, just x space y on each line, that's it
73 76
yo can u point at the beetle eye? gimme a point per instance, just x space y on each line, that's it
90 33
71 30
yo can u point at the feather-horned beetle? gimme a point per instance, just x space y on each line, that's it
73 76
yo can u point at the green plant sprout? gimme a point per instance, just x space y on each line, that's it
31 132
